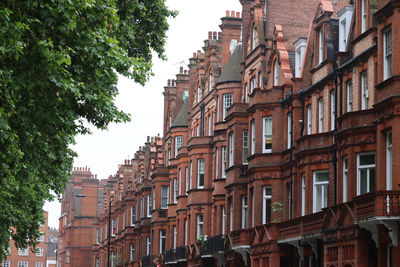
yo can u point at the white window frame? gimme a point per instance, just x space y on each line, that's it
164 196
175 186
231 215
149 207
97 236
179 181
231 149
364 90
209 125
244 212
200 171
363 16
333 102
186 231
245 148
186 180
23 252
223 164
253 137
300 46
6 264
259 79
289 130
174 237
38 264
97 263
267 133
320 115
276 73
349 87
200 224
254 37
389 161
39 252
216 163
387 53
210 80
245 93
162 238
178 144
132 252
227 101
323 186
198 92
22 264
320 46
252 84
303 194
365 167
223 220
133 215
148 244
191 174
309 119
217 109
266 196
345 179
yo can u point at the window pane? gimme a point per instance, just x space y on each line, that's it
267 210
371 180
367 159
363 181
322 177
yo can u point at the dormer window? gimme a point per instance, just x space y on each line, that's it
363 16
320 46
276 69
344 26
300 45
254 37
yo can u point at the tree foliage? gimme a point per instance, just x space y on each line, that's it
59 61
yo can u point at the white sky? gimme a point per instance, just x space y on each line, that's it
104 150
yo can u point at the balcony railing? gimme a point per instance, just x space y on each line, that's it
215 244
379 203
180 253
146 261
241 237
170 255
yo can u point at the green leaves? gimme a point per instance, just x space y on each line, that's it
58 67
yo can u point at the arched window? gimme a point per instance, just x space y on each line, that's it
254 36
276 70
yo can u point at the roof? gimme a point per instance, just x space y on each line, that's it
232 70
51 249
182 117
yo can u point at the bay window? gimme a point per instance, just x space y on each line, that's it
267 136
200 173
266 206
320 194
365 173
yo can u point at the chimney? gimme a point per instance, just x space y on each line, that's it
227 13
238 15
232 14
214 35
181 70
209 35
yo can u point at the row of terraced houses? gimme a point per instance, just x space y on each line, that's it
279 149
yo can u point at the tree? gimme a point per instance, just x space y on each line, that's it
59 62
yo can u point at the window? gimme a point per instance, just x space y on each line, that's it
300 46
345 18
387 53
39 252
267 136
191 175
39 264
23 251
216 163
133 215
175 184
60 243
223 219
186 231
245 151
169 155
67 256
132 252
345 179
320 46
231 215
174 237
210 75
231 149
223 165
252 84
217 107
164 196
389 161
333 103
245 93
178 144
112 258
254 39
41 237
200 173
266 204
149 205
320 194
363 16
186 180
179 182
123 220
22 264
162 241
253 137
244 212
289 130
199 225
364 90
349 96
97 262
114 225
227 98
105 231
365 173
303 194
148 245
309 119
6 264
276 73
97 236
320 115
209 124
198 92
260 83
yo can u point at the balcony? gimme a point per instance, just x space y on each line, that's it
170 257
215 244
241 238
377 204
180 253
303 226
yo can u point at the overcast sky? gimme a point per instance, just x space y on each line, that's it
104 150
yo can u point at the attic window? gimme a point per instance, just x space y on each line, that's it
254 37
344 26
300 45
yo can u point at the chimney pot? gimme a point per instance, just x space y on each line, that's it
169 82
181 70
219 35
214 35
209 35
185 71
232 14
194 55
227 13
238 15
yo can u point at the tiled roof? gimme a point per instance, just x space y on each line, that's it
231 72
182 117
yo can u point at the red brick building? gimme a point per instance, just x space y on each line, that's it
279 145
26 257
82 202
